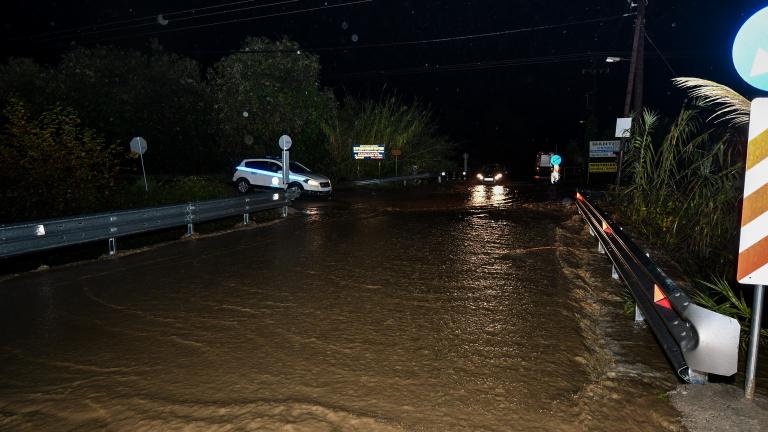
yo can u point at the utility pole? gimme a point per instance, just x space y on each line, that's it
636 75
640 61
637 63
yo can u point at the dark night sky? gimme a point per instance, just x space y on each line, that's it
503 110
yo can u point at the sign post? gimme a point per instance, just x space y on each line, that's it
285 143
556 160
466 159
139 145
750 57
396 153
623 128
753 243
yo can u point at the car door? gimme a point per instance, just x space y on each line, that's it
276 179
251 174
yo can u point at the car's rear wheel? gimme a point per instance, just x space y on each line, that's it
243 185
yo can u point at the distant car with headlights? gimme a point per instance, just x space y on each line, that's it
268 173
491 174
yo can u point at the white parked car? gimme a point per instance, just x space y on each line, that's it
268 173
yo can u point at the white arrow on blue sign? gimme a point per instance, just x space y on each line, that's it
556 159
750 50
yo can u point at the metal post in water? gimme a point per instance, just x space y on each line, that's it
112 246
754 338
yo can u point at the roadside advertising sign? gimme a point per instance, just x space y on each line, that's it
603 167
604 149
368 152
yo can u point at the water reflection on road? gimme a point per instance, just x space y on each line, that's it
462 310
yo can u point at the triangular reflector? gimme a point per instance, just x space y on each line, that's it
660 298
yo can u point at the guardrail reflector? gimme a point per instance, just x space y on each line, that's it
660 298
579 197
607 229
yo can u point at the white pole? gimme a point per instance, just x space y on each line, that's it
754 338
146 188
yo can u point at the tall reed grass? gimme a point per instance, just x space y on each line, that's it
684 189
389 121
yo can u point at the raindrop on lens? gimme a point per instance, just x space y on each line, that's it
245 113
354 37
344 25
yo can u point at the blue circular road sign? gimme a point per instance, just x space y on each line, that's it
750 50
556 160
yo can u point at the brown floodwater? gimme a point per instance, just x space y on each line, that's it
472 308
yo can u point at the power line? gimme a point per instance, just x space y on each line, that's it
473 36
663 58
148 17
276 14
524 61
156 22
437 40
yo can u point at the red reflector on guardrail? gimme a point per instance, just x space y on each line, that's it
579 197
660 298
606 229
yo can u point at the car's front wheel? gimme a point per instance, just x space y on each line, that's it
243 185
296 187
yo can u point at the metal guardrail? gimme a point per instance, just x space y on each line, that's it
22 238
696 340
393 179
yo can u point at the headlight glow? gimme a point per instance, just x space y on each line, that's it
313 182
479 176
497 176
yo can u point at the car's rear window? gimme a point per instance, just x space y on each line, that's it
299 168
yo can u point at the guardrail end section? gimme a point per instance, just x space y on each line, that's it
718 349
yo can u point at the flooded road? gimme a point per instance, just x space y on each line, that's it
471 308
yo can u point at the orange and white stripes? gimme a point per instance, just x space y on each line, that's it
753 244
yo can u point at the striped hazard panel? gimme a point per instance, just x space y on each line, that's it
753 244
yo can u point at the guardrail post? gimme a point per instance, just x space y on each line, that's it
600 247
190 217
638 314
112 246
697 377
245 218
614 272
